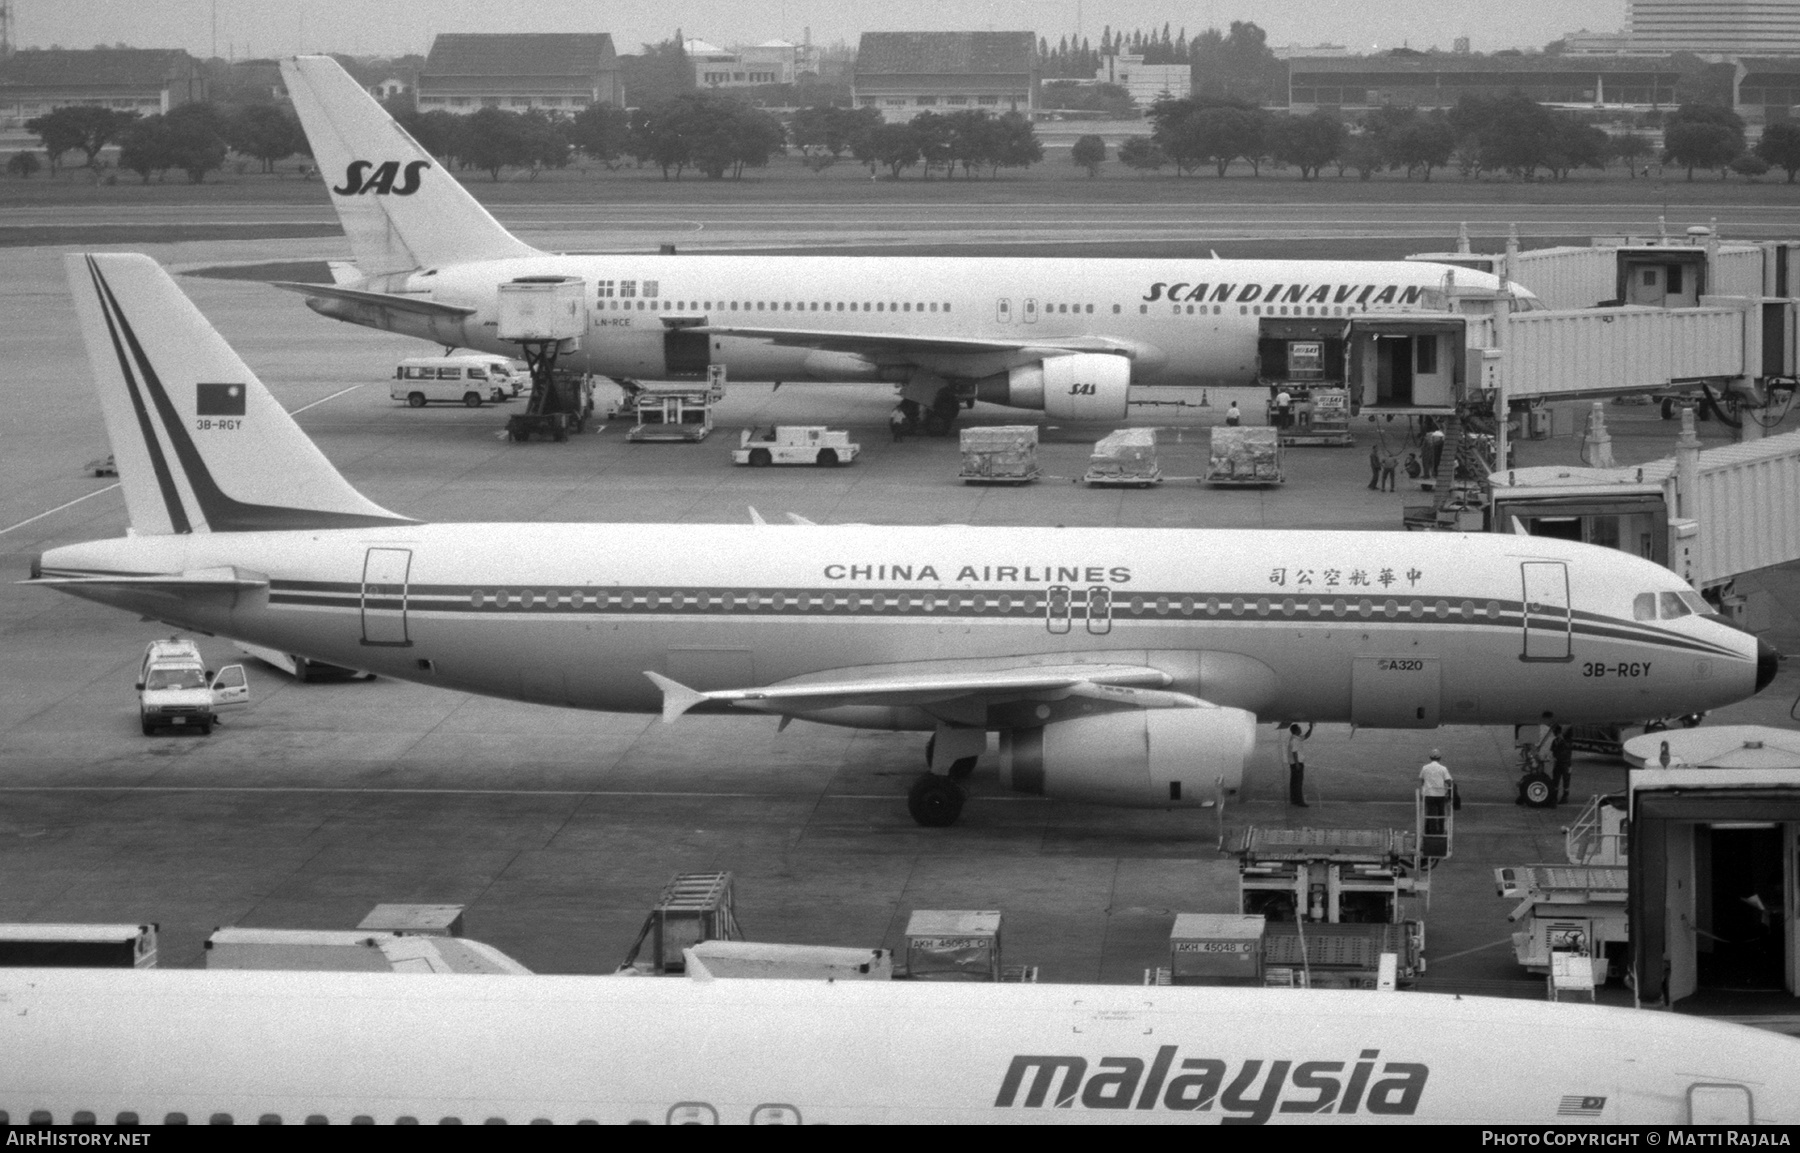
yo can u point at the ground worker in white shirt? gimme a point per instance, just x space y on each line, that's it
1435 782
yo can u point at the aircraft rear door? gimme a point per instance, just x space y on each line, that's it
1548 620
385 573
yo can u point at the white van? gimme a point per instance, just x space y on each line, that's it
471 380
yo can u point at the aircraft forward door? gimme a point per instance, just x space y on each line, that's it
1549 623
1003 311
384 590
1031 310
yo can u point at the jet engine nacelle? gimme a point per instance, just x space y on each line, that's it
1142 758
1080 386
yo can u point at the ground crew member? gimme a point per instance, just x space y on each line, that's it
1293 751
1283 405
1232 415
1562 757
1390 465
1435 783
897 424
1374 466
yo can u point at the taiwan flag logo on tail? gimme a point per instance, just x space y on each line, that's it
218 400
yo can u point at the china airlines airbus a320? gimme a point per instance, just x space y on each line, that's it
1125 666
1080 339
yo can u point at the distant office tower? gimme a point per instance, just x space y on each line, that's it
1724 27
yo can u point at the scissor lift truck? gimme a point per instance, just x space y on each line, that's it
1578 908
1335 900
683 415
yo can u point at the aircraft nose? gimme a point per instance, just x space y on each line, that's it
1768 663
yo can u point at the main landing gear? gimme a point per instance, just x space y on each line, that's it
936 800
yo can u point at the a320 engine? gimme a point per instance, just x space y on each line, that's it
1080 386
1145 758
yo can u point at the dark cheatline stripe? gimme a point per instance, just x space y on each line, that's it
986 604
165 479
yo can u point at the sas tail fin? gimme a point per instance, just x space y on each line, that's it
200 444
399 207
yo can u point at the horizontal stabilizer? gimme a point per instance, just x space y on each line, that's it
225 579
677 697
410 304
892 689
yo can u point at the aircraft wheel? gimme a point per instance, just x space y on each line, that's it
302 670
935 802
1667 409
962 767
1537 792
827 458
760 458
415 400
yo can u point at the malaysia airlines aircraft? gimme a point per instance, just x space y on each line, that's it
1124 666
1079 339
171 1047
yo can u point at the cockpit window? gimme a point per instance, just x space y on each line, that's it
1643 607
1672 606
1695 601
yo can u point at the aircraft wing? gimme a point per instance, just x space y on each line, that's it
1122 682
876 344
196 581
380 299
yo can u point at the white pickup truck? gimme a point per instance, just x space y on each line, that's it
175 689
794 444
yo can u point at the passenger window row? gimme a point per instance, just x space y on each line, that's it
781 306
1033 601
129 1118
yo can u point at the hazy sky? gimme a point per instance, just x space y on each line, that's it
361 27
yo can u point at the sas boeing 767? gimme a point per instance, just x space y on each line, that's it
1124 666
1080 339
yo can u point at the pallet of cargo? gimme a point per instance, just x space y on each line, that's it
1124 459
999 454
1245 456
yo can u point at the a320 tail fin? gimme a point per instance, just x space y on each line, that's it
399 207
200 444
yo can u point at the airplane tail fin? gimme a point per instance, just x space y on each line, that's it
399 207
200 444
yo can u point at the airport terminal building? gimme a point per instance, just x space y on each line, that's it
906 73
147 81
1361 83
556 72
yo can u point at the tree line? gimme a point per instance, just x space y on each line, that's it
193 138
1508 135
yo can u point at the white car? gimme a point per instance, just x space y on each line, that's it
175 689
